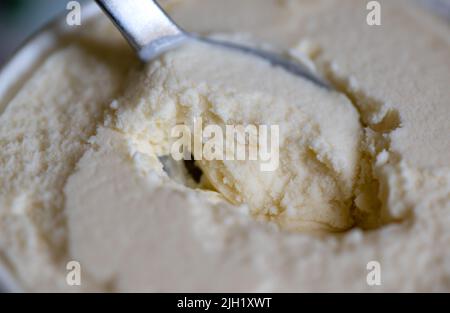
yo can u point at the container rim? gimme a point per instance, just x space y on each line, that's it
32 52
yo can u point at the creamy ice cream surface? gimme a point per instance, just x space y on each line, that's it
319 132
363 172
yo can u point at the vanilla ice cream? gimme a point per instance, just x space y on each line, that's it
363 174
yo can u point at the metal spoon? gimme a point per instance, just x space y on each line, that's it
150 31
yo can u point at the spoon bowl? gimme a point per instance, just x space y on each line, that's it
151 32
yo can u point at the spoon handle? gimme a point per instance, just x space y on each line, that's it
145 25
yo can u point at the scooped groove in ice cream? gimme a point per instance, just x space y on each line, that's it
363 175
319 142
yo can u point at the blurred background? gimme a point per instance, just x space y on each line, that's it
20 18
